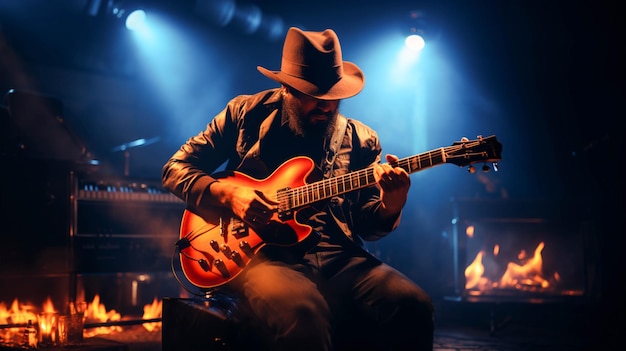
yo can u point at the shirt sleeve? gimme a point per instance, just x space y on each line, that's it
188 172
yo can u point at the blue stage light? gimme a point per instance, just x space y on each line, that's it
136 20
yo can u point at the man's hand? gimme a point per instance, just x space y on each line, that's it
394 184
249 204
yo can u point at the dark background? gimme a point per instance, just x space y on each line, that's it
555 68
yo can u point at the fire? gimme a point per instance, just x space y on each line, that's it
151 311
15 317
474 272
526 275
48 306
16 314
97 312
19 314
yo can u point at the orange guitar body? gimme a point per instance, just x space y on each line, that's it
220 244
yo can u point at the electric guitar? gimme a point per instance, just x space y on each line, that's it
215 248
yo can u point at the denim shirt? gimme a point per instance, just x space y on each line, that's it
233 140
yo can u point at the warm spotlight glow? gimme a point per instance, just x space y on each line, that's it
136 20
414 42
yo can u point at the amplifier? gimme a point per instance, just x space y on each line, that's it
125 226
114 224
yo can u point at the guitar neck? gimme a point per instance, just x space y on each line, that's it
327 188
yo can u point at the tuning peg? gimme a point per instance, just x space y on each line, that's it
471 169
495 166
486 168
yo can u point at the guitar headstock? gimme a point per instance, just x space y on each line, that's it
466 152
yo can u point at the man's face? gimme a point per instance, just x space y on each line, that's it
309 116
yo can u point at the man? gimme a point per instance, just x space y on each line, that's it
325 291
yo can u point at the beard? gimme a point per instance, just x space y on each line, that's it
301 124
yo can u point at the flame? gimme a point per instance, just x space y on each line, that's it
469 231
18 313
97 312
474 272
529 274
48 306
151 311
525 276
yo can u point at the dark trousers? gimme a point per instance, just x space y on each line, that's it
333 299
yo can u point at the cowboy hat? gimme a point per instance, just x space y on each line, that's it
312 64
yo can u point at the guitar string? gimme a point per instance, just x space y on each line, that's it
306 194
310 193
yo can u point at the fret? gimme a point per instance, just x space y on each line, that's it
306 195
300 196
354 181
368 177
319 191
311 193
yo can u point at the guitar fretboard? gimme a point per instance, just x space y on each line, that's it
324 189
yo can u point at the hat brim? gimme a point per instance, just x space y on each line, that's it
350 84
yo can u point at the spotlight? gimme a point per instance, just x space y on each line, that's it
414 42
420 31
136 20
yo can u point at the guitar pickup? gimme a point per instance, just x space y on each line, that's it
238 228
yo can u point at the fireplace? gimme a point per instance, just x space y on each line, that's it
96 238
520 251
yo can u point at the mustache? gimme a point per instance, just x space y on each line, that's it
317 112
